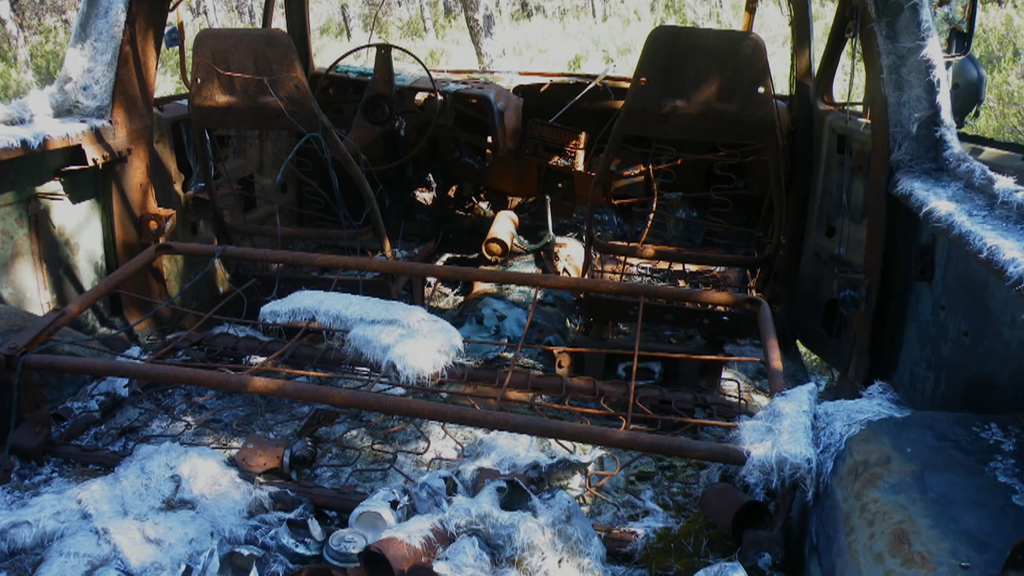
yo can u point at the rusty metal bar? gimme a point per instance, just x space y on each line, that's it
636 356
613 350
465 274
398 406
676 255
43 328
519 347
549 384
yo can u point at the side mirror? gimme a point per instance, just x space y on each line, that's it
954 22
967 84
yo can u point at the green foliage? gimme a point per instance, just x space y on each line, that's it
12 84
999 46
686 549
436 57
575 64
47 48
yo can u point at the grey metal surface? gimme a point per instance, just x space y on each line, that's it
933 493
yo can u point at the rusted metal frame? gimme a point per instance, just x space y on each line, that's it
676 255
636 356
47 325
653 354
859 366
832 53
398 406
552 385
205 318
769 340
51 323
749 12
466 274
467 391
268 13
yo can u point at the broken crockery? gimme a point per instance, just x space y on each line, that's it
386 508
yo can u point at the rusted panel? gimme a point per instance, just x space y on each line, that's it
50 220
932 493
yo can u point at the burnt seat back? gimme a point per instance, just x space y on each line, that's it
249 78
709 91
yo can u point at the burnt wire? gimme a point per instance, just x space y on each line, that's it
16 382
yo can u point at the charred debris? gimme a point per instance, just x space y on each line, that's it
388 320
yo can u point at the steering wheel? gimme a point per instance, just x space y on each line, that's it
379 109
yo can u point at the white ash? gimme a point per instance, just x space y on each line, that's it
794 439
468 556
407 339
551 537
163 506
114 384
1004 467
838 420
417 531
780 442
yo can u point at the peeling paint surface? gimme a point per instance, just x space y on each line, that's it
925 494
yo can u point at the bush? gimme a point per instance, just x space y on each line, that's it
47 48
1000 49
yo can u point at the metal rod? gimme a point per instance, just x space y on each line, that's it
519 348
676 255
613 350
593 83
636 356
398 406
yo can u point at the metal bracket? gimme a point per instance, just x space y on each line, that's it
156 225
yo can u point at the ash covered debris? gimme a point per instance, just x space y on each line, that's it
795 438
162 507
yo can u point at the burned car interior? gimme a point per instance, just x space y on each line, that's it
341 273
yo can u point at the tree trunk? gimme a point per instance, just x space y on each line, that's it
250 8
17 40
346 21
449 9
428 19
480 22
593 9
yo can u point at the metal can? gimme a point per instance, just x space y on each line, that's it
343 548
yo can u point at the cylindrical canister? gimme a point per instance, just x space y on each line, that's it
501 236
